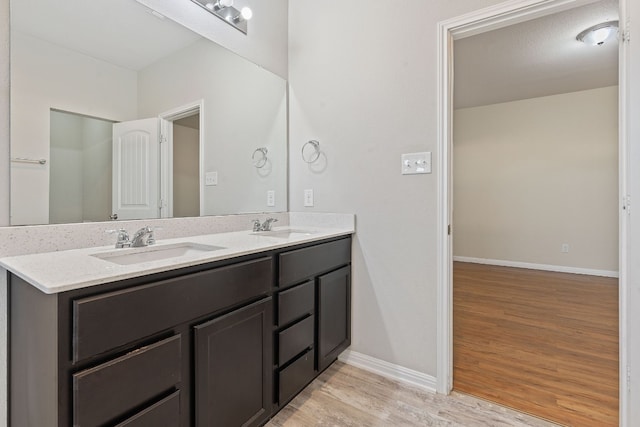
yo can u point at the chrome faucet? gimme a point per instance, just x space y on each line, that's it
143 237
266 226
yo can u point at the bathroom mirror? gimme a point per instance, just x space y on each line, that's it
119 112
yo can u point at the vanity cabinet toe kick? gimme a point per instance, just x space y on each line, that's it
226 343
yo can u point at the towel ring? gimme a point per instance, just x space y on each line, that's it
262 159
315 155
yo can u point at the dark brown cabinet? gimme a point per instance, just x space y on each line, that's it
221 344
334 315
105 392
233 368
313 313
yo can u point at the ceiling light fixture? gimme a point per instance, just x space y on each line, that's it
224 10
598 34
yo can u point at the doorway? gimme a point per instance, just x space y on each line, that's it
186 166
485 20
80 168
535 187
181 164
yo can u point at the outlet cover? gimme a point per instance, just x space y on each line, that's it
308 198
211 178
271 198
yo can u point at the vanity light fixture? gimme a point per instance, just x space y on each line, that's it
598 34
224 10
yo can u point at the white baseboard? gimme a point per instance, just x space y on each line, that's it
545 267
389 370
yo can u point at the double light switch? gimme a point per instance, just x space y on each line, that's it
416 163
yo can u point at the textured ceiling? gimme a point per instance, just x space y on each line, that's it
535 58
121 32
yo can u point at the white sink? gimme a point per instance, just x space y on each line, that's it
130 256
286 233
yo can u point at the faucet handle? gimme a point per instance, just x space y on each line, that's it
267 224
123 237
256 225
151 239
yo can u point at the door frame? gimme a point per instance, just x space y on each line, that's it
487 19
166 154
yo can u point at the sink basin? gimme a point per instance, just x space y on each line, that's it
155 253
286 233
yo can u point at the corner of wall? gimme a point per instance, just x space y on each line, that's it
5 168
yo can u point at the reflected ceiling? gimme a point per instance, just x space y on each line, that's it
147 44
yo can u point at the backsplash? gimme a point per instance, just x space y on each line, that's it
23 240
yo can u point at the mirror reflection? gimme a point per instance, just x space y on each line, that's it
136 117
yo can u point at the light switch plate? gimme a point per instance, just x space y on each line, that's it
416 163
308 197
211 178
271 198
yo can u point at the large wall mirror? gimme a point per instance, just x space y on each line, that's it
120 113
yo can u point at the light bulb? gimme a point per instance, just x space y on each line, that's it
246 13
599 36
225 3
209 6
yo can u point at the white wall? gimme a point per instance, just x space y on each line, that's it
242 103
45 76
533 174
186 162
265 42
4 118
5 175
364 85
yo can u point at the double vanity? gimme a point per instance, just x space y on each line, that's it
220 329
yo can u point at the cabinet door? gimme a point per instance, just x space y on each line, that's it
334 315
233 376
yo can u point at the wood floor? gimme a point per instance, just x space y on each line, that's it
540 342
347 396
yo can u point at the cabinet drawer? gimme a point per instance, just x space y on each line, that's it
295 376
106 321
295 303
107 391
301 264
165 413
295 339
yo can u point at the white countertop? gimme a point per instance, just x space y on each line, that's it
53 272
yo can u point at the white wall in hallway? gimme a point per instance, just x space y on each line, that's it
532 175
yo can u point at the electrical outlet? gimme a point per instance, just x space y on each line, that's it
564 248
271 198
308 198
211 178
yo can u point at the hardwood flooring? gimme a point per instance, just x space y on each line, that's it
541 342
344 395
